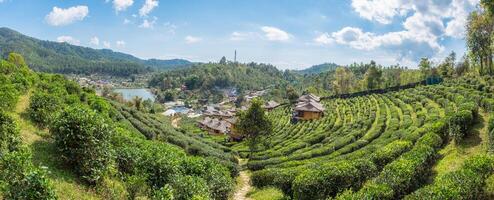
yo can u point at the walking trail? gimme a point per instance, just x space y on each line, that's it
243 183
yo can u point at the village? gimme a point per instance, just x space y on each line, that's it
219 120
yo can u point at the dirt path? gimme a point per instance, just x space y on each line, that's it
243 183
241 193
175 122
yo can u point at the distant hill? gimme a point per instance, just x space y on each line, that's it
48 56
316 69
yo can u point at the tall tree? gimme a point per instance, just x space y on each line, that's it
372 78
291 94
254 125
223 60
446 68
343 81
479 39
425 67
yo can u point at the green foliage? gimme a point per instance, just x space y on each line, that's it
466 183
9 134
372 78
69 59
43 108
83 139
254 125
190 187
9 96
19 179
161 164
330 179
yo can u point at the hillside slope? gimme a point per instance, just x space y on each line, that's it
48 56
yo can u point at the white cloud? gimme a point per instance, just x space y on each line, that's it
148 23
148 6
61 17
68 39
106 44
120 43
323 39
275 34
191 39
424 25
94 41
381 11
126 21
122 5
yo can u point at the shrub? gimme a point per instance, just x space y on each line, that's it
21 180
190 187
9 134
9 96
83 139
279 178
330 179
466 183
43 108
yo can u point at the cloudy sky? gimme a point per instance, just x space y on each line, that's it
287 33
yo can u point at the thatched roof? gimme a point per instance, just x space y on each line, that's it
309 97
211 111
270 104
309 106
216 124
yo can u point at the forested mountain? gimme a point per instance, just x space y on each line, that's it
65 58
316 69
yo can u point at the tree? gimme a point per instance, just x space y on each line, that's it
480 27
343 81
446 68
83 138
137 102
223 60
254 125
16 59
291 94
372 78
425 67
463 66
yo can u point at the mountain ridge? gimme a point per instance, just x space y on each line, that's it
50 56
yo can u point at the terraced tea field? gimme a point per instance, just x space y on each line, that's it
384 146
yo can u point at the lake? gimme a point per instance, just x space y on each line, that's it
128 94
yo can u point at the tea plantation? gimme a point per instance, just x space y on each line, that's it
385 146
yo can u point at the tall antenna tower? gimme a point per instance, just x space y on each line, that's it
235 57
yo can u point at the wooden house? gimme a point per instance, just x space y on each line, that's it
215 126
308 107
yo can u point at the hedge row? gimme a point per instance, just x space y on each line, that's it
465 183
409 171
328 179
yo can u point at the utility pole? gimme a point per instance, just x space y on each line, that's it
235 57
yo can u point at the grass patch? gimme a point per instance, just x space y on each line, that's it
266 194
453 156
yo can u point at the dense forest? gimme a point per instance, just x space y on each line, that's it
55 57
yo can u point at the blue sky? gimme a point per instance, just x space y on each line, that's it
287 33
